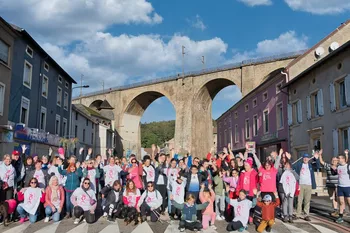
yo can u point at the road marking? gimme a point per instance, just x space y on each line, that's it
18 229
173 227
113 228
323 229
294 229
51 228
81 228
143 228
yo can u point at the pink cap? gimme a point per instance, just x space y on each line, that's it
61 151
249 161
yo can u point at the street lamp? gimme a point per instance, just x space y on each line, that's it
70 113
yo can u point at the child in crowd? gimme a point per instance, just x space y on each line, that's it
242 207
219 195
189 213
208 214
91 171
178 195
289 182
268 212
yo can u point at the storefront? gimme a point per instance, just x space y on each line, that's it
269 143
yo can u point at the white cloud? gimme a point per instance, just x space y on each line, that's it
320 7
198 23
116 59
286 42
62 21
256 2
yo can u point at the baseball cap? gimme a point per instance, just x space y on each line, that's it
306 156
15 152
267 198
249 161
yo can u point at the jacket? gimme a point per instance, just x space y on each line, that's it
189 213
252 184
109 194
297 167
268 211
48 197
201 178
219 185
160 171
72 181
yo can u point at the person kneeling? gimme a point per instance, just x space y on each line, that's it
189 213
268 212
149 203
84 202
242 207
114 200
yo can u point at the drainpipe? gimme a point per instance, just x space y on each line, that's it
285 74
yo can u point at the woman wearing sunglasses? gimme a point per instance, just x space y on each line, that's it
31 197
134 174
149 203
84 202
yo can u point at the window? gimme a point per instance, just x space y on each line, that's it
65 127
60 78
255 125
280 122
342 95
76 131
255 103
92 125
87 122
92 138
4 52
43 118
76 115
59 96
315 105
266 121
2 98
29 51
46 67
57 124
296 112
236 134
236 115
344 133
265 96
246 108
67 85
25 104
27 74
65 106
83 135
278 87
247 129
45 86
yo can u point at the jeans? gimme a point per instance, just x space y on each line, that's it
169 202
219 205
287 206
22 213
55 215
69 205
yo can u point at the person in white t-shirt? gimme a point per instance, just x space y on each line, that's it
343 191
7 176
149 172
150 203
84 202
131 197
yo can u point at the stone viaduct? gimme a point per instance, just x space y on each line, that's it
191 96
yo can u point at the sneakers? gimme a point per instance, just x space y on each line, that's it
335 214
268 229
22 220
291 220
110 219
213 227
285 219
339 220
76 221
182 229
218 218
307 218
105 215
47 219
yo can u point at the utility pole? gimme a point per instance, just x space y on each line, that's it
203 62
81 87
183 61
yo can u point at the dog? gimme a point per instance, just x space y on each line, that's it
7 208
130 214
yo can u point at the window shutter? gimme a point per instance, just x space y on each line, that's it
332 97
320 102
347 86
290 114
308 107
300 113
335 142
348 138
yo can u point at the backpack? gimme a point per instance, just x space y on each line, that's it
147 194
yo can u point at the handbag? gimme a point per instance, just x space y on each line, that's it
92 201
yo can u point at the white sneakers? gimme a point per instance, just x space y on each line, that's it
105 214
182 229
76 221
47 219
220 218
213 227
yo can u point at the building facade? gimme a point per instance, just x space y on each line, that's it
319 106
7 38
40 96
91 129
260 117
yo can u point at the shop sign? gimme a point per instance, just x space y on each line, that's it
250 146
34 135
269 137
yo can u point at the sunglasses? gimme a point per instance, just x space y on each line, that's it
33 182
149 186
86 182
133 162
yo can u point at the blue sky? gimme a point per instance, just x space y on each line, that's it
126 41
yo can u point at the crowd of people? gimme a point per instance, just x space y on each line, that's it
196 191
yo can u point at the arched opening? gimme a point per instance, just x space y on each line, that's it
205 114
142 113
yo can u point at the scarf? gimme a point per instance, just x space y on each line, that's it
54 193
